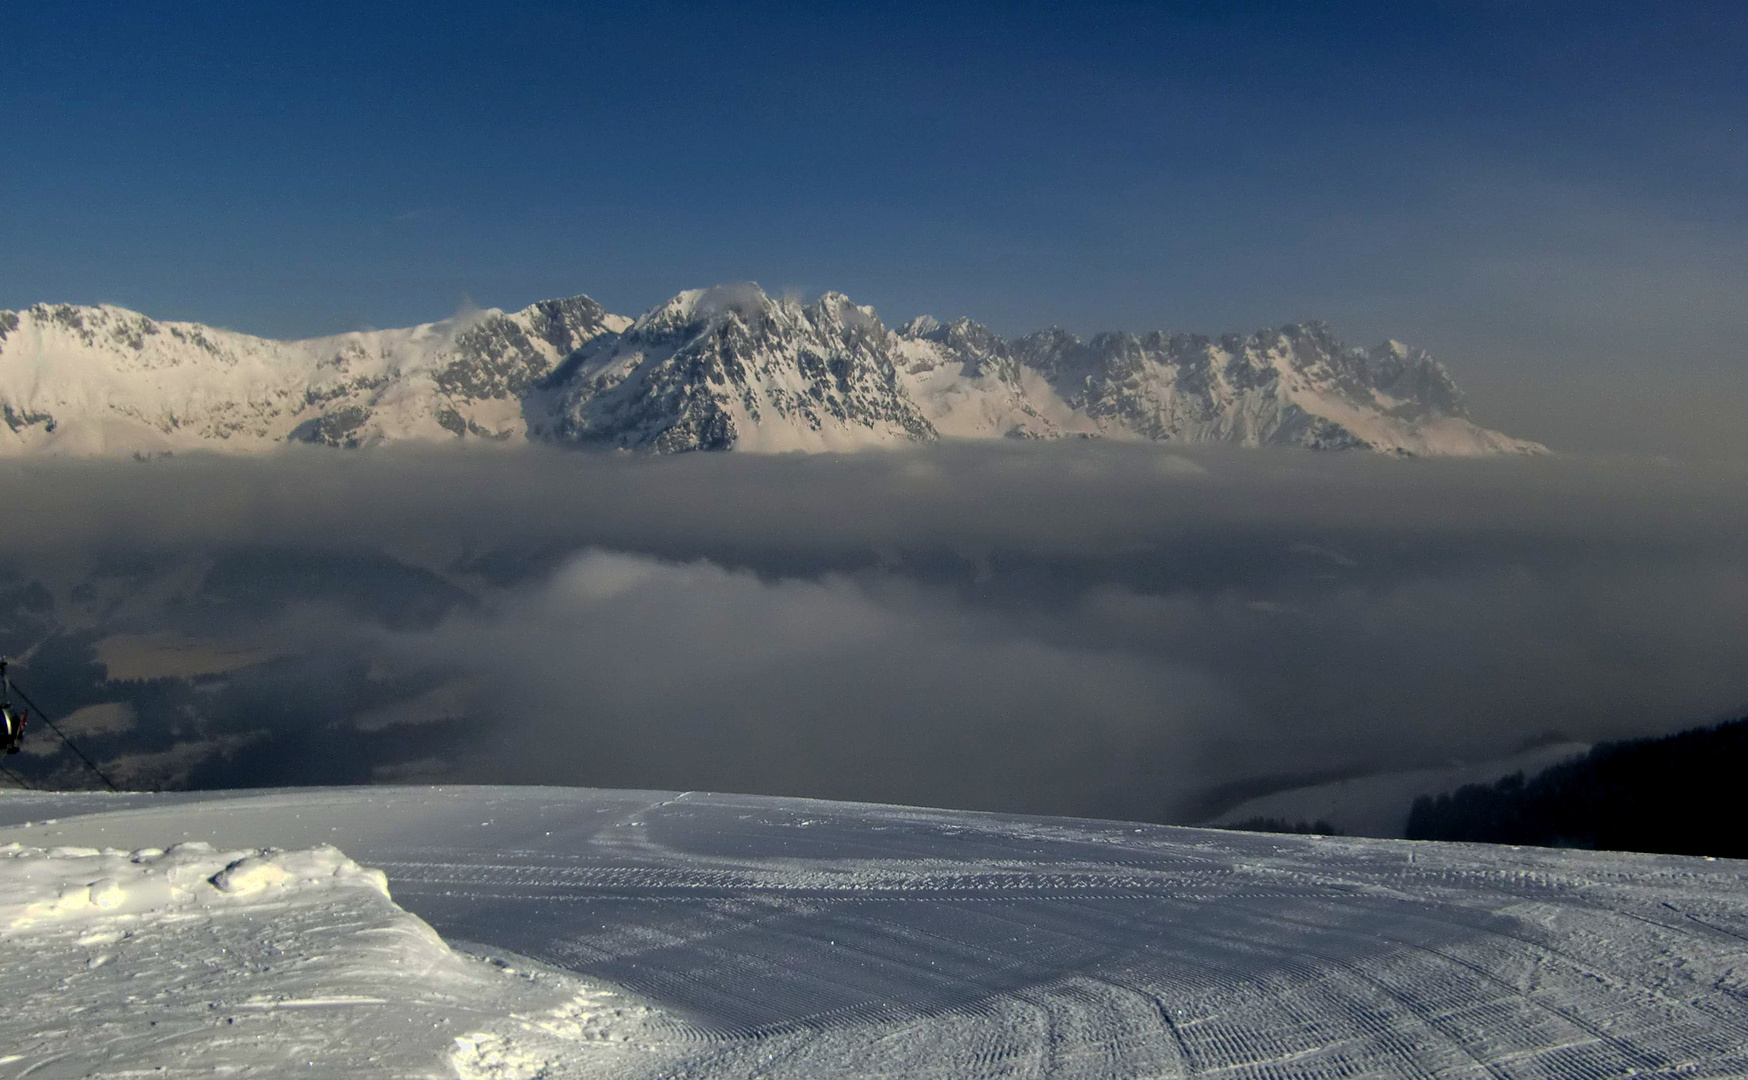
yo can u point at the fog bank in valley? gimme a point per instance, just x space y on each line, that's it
1078 628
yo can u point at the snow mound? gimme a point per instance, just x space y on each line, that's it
70 884
198 961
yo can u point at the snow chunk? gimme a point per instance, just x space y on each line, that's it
324 864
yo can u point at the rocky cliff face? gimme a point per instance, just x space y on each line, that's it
712 369
730 367
1295 386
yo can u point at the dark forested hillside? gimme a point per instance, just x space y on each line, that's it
1682 794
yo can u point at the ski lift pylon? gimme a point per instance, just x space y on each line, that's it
12 718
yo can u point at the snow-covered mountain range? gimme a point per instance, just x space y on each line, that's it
711 369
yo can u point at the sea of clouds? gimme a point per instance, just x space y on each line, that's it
1084 628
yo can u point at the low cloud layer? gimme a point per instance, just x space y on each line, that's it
638 672
1093 629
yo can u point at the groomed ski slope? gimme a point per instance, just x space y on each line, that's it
649 934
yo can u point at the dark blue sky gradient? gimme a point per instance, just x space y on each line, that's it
1550 195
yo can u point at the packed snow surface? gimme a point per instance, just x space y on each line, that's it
662 934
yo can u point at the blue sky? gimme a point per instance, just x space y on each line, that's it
1549 195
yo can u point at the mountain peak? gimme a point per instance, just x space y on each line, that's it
692 307
836 309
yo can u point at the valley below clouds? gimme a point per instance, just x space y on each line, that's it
1083 628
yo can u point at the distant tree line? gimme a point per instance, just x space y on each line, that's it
1281 825
1682 795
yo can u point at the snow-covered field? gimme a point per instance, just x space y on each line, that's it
653 934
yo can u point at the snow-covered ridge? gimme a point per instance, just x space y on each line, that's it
96 380
720 368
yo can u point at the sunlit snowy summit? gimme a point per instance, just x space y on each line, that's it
712 369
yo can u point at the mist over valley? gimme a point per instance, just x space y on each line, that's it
1095 629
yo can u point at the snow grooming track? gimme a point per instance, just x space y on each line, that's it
736 936
197 962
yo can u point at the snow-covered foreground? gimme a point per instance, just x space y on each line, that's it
263 963
650 934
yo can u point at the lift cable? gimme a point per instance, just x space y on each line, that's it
44 717
16 779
